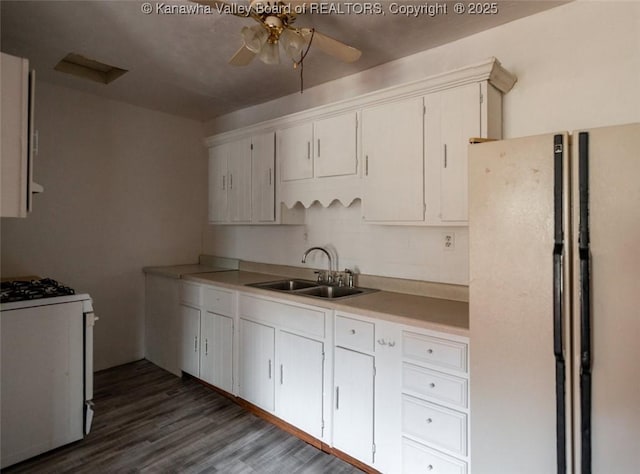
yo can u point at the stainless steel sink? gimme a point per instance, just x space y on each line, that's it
285 285
331 292
311 289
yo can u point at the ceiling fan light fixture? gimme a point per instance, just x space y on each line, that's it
270 53
255 37
293 43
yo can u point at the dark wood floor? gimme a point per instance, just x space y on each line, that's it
149 421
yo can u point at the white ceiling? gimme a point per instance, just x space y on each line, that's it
178 63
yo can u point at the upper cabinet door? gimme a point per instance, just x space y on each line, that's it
453 116
392 142
263 177
295 152
239 186
335 144
218 156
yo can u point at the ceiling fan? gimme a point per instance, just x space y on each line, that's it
275 28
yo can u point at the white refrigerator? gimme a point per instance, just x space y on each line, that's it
554 228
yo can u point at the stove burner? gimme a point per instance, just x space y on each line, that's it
20 290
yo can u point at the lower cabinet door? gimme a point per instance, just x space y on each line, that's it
353 404
257 368
216 351
190 340
300 376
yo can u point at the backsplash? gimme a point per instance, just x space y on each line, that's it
416 253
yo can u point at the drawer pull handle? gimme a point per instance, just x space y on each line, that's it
392 344
430 467
382 342
353 331
429 351
429 420
432 385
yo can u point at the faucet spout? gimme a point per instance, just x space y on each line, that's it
320 249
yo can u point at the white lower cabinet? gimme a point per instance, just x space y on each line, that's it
435 402
282 360
216 352
257 360
418 458
207 334
353 380
162 322
394 397
300 382
190 340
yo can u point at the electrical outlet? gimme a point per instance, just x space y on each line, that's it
449 240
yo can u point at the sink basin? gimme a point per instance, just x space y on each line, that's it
285 285
311 289
331 292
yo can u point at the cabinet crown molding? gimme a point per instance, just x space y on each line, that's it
488 70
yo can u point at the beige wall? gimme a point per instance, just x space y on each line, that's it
577 65
125 187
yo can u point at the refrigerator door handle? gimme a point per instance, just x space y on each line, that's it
558 302
584 255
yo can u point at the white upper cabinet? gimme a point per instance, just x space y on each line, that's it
218 156
392 136
16 153
239 185
452 117
335 150
263 177
242 181
295 154
402 150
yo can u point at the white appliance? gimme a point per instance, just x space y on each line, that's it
47 374
554 229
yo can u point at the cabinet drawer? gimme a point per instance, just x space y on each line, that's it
218 301
354 334
287 316
418 458
432 424
191 294
434 385
435 351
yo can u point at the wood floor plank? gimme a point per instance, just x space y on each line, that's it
149 421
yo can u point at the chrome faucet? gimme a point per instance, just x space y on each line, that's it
308 251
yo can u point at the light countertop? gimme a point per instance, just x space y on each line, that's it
180 271
422 311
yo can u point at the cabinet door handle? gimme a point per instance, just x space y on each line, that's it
269 368
224 183
318 148
230 181
195 344
366 165
308 150
269 176
281 374
206 346
445 155
337 398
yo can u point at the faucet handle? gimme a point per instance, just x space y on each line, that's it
319 277
349 273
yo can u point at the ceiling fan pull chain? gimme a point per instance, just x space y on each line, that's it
301 62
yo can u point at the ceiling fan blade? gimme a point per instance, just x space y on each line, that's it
242 57
332 46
